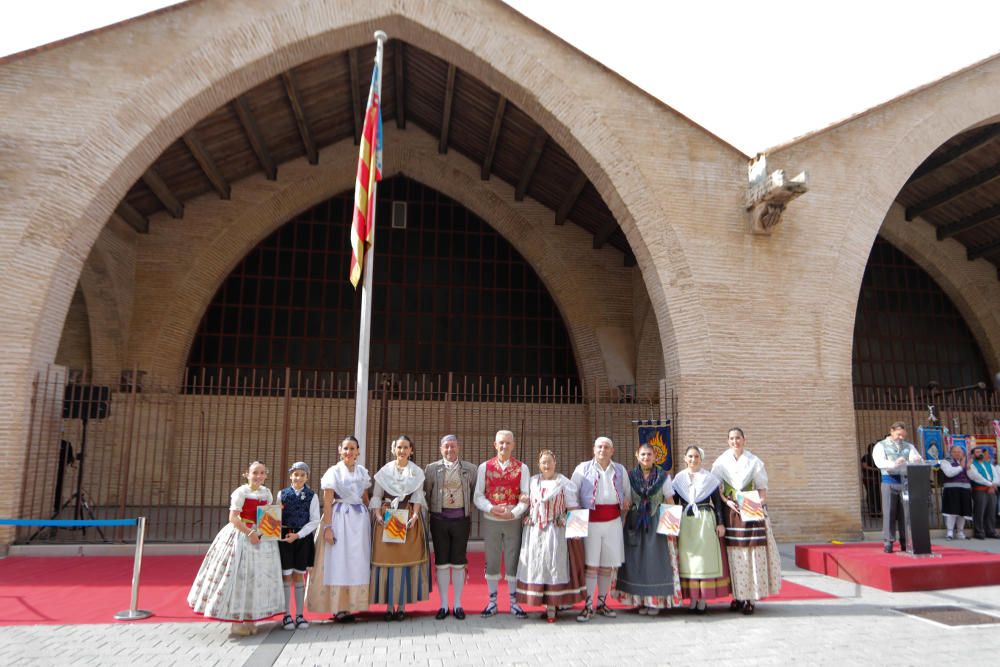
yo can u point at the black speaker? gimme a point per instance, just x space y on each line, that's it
86 401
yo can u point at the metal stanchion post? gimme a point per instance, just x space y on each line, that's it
133 614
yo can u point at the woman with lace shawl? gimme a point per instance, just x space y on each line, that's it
649 578
754 562
400 571
546 575
701 558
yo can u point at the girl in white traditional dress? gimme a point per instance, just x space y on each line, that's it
240 578
400 571
338 584
543 569
754 561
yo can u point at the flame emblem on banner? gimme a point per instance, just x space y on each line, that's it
656 442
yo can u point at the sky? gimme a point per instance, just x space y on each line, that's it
756 74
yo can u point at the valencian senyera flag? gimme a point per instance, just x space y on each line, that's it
369 173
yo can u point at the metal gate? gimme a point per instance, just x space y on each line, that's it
175 453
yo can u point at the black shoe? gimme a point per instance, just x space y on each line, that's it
887 547
399 615
442 614
979 537
735 605
459 613
994 536
344 617
748 608
388 616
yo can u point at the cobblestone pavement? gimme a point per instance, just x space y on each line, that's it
861 626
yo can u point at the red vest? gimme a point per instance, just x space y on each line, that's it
503 487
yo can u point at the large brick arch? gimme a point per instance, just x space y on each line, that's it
251 48
97 140
168 312
876 152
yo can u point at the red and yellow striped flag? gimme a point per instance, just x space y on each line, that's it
369 173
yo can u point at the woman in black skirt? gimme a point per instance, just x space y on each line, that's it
956 499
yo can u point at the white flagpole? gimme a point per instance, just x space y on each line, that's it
364 338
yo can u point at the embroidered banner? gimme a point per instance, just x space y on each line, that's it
656 434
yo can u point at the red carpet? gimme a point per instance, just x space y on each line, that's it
91 589
866 564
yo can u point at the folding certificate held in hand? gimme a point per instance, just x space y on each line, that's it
751 507
394 530
577 523
670 520
269 522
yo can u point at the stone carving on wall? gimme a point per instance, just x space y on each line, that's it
769 193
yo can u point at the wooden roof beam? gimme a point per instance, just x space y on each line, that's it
604 233
398 73
491 147
132 217
295 98
952 154
953 192
982 251
967 223
207 164
569 200
530 164
352 64
256 137
449 98
159 187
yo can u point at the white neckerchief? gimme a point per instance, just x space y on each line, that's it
399 483
450 465
695 490
738 472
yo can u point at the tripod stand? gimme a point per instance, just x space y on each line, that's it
79 497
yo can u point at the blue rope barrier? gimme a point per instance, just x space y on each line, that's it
66 523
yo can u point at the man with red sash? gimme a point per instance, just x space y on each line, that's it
603 489
502 496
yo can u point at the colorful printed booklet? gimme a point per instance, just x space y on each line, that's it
669 522
269 522
577 523
751 507
394 530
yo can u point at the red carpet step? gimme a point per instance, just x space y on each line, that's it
867 564
91 589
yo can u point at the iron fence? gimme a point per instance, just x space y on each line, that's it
175 453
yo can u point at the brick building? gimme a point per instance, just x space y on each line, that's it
143 164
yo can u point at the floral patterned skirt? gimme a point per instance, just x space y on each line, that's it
238 581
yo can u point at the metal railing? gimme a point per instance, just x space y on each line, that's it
174 454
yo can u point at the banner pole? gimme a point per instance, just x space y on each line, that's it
364 336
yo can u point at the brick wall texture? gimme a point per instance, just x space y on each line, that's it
748 330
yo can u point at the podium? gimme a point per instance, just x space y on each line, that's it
916 501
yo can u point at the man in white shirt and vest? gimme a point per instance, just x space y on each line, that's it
603 489
502 496
891 456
